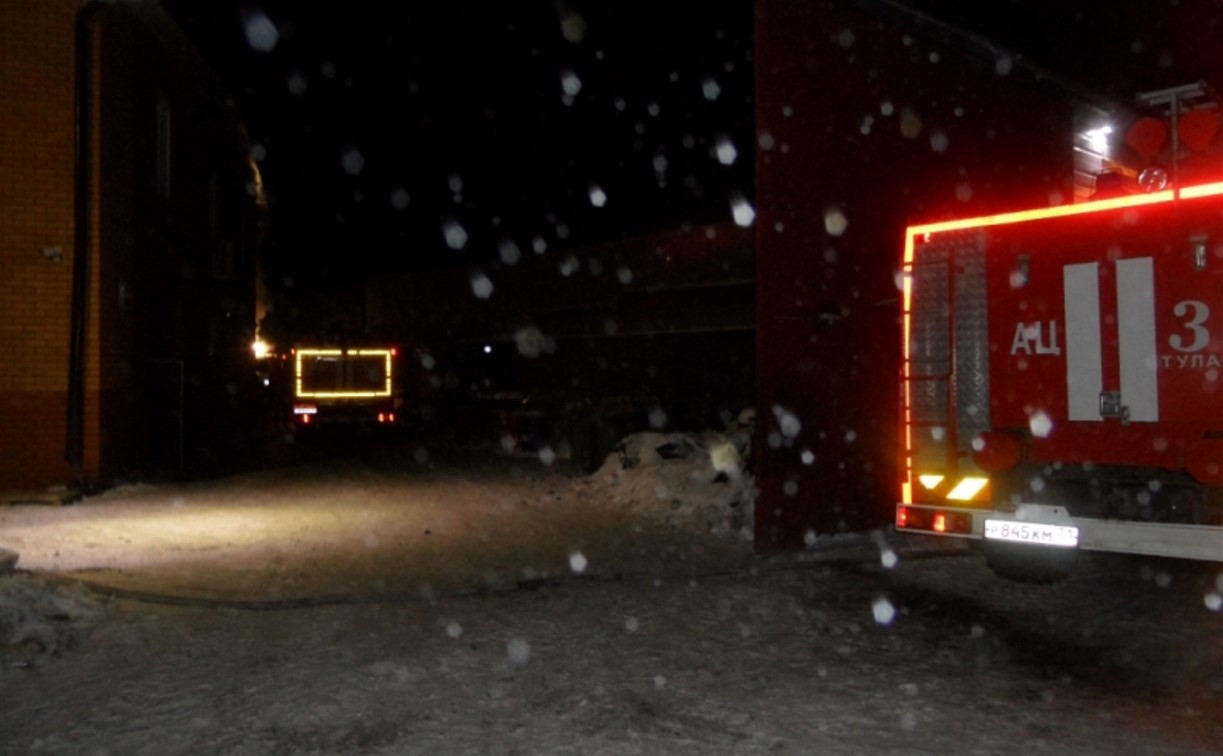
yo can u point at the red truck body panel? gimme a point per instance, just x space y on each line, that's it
1069 358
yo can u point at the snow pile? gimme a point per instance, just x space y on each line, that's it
40 618
693 481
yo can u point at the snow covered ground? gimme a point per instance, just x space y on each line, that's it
412 605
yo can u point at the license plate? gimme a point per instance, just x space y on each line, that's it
1031 532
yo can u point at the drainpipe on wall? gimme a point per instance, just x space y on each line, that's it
74 446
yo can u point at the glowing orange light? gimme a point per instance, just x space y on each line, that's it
902 517
940 523
301 391
1024 216
1204 190
1059 211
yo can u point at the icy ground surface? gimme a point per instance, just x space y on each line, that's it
392 607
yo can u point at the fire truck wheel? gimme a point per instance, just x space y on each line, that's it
1029 564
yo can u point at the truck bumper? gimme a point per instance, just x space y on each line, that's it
1053 527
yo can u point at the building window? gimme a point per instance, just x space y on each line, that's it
163 146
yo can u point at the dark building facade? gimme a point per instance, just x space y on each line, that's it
129 210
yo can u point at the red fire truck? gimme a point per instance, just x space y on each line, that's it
1062 380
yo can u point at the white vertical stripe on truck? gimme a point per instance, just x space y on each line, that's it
1084 371
1136 327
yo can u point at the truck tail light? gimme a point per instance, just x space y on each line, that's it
948 522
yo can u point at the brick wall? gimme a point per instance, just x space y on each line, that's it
36 220
153 295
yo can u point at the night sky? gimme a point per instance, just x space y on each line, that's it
387 133
394 136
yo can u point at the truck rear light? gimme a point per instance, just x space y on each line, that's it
933 520
930 482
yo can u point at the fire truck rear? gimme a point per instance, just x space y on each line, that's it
1062 380
351 385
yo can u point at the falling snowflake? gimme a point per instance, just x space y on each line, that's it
787 421
456 235
481 286
742 211
570 83
726 151
518 651
573 26
835 221
883 610
1040 424
509 253
297 84
577 562
710 89
353 161
261 33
